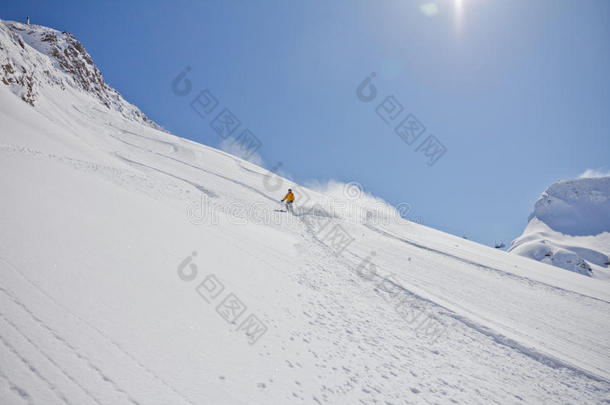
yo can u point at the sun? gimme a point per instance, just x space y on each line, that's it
458 6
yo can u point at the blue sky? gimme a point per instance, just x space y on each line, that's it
516 91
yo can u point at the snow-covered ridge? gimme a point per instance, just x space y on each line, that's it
570 227
33 57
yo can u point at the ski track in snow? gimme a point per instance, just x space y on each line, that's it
543 358
175 148
205 191
46 356
103 335
464 260
538 355
63 341
34 370
20 393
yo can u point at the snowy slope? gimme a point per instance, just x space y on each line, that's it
570 227
125 250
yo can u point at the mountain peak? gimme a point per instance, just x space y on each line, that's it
576 206
570 227
33 57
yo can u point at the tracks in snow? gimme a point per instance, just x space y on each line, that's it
529 351
90 364
477 264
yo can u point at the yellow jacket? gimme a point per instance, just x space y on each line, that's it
289 197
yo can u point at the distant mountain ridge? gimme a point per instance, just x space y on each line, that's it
33 57
570 227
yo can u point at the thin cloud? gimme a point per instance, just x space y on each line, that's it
594 173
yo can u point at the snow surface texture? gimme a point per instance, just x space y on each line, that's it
137 267
570 227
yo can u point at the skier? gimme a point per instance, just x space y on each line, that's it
289 198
